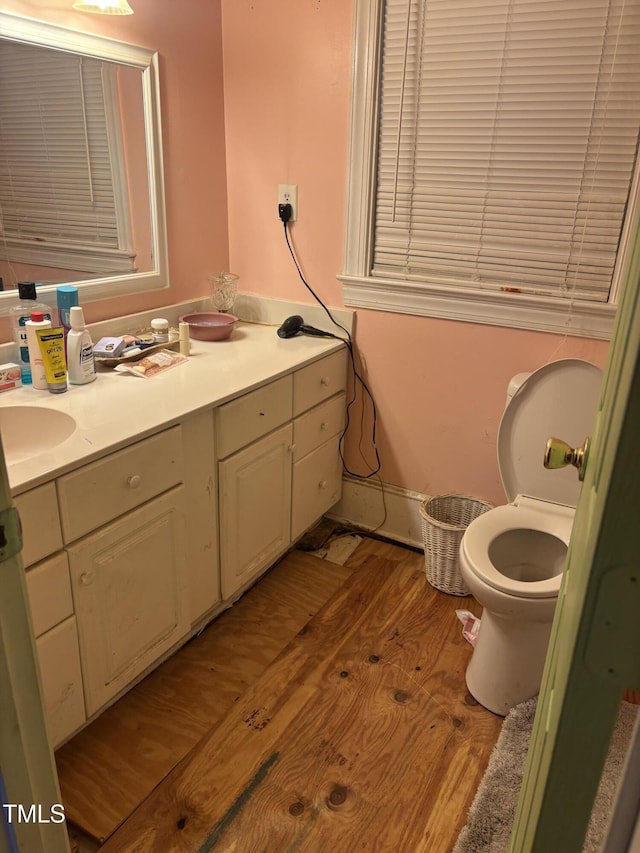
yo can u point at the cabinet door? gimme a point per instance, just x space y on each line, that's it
129 591
317 486
255 506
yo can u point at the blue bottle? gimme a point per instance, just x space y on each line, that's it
67 298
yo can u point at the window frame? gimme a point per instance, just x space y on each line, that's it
455 301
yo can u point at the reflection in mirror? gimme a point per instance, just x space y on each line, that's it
81 190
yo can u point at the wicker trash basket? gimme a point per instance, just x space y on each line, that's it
444 520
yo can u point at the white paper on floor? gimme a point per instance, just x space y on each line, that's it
470 625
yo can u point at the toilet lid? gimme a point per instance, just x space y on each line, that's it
558 400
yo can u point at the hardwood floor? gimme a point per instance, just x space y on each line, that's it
108 768
348 729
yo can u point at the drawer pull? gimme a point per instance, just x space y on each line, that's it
86 578
134 481
292 448
324 426
322 484
324 380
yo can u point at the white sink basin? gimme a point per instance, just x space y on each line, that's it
29 430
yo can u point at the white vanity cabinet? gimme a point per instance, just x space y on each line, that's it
272 489
54 624
123 525
117 569
128 555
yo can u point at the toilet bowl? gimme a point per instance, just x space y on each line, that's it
512 557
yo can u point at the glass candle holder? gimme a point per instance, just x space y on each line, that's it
223 290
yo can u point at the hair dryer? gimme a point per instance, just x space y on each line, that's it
295 325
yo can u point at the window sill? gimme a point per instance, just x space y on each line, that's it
493 308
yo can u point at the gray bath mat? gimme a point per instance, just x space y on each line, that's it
492 812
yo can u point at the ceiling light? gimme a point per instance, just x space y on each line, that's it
104 7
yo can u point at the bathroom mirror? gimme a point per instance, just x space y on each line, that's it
81 197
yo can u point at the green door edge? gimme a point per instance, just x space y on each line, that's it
594 650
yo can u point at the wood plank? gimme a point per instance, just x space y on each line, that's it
357 733
371 547
114 763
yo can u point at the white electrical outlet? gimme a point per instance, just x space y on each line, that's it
288 194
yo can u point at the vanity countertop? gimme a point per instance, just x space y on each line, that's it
119 408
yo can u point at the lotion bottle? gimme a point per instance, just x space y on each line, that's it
81 364
38 375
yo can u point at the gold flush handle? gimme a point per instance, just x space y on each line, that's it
557 454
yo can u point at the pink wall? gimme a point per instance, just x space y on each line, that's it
439 385
187 36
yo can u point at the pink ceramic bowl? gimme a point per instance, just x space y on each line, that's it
209 325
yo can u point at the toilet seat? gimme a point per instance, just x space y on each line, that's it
525 514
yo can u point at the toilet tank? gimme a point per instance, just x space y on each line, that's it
515 384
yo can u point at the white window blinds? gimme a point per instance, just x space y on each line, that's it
56 182
507 142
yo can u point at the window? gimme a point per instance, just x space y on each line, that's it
493 159
62 187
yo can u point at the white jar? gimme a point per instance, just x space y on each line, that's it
160 331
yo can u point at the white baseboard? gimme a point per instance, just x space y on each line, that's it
363 505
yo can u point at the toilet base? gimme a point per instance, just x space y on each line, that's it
507 662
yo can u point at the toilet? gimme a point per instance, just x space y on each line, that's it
512 557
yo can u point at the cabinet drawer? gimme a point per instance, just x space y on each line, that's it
61 679
253 415
49 590
103 490
318 381
41 533
317 486
315 427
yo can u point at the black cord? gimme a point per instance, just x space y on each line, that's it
356 375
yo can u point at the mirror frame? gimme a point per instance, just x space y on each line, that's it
30 31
